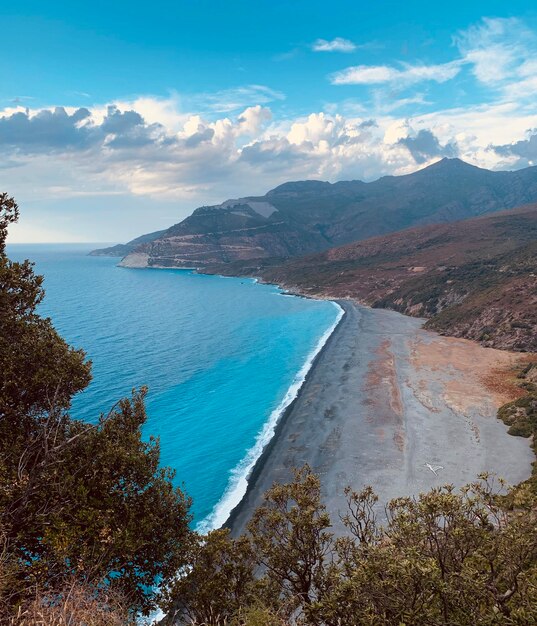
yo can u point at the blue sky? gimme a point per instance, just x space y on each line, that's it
117 119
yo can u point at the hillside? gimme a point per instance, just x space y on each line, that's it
122 249
299 218
475 278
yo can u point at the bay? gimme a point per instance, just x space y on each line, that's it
220 357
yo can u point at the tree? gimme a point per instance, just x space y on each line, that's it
219 582
291 539
443 558
78 501
40 373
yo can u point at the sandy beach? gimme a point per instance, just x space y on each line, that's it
384 399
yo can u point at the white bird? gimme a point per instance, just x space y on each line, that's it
434 468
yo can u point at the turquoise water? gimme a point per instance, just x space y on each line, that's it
219 355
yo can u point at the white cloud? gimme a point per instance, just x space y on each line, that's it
493 47
501 53
165 111
193 159
144 163
231 100
253 119
387 103
406 75
335 45
181 152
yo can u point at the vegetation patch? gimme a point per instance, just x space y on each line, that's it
521 414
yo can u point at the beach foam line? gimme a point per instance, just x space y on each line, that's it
238 481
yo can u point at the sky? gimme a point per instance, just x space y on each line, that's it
120 118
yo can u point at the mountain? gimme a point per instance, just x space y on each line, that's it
299 218
475 278
122 249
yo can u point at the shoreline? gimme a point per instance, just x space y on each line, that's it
241 482
378 406
415 377
257 469
240 476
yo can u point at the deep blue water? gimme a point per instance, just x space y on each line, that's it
218 354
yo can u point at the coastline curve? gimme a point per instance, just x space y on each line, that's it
241 475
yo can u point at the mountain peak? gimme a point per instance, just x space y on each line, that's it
299 186
449 163
313 215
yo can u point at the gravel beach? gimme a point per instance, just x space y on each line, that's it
383 399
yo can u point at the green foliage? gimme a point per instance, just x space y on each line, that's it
521 414
220 582
290 537
78 501
443 558
39 372
446 557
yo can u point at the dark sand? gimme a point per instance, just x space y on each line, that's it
384 398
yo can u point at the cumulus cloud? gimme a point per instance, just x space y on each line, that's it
424 145
524 150
60 130
201 135
153 151
335 45
406 75
114 150
46 129
254 119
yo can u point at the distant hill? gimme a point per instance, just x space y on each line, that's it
475 278
122 249
299 218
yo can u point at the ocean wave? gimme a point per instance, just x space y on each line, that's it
238 481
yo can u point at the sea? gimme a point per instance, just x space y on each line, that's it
222 358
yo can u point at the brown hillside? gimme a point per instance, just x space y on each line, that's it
475 278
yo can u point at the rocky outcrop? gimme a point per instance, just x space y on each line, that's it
136 260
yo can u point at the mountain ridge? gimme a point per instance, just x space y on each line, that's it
302 217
